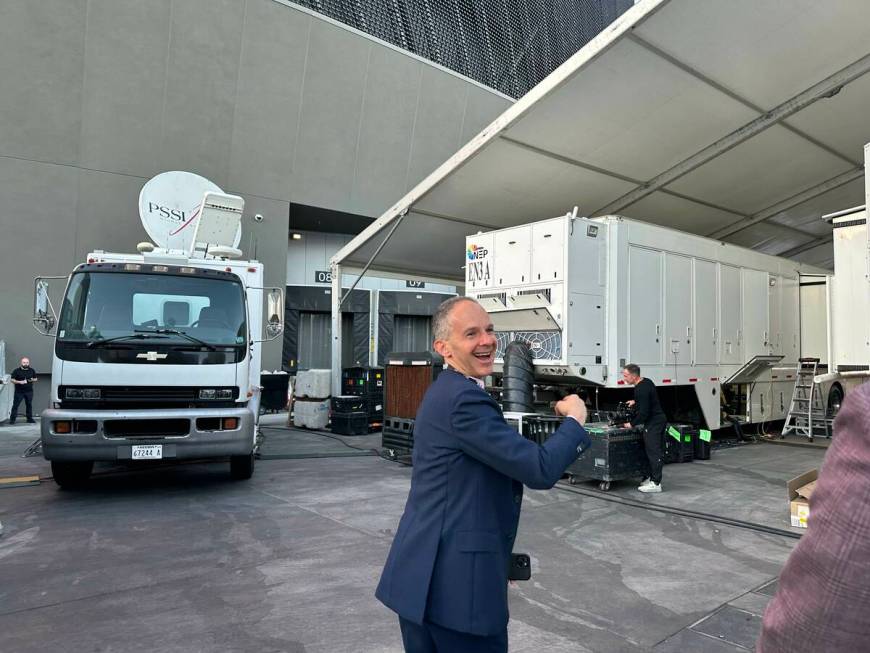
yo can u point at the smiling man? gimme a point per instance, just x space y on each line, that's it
447 572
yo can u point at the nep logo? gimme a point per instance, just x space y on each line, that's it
478 266
476 252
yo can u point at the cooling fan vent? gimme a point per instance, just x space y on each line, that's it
545 345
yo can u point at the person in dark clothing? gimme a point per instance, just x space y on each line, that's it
650 415
23 377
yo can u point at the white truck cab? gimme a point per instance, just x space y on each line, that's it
157 354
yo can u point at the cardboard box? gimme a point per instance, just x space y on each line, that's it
800 489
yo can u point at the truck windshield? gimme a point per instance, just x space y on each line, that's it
103 305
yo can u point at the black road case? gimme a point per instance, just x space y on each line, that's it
679 443
615 454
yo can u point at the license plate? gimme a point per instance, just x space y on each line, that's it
147 451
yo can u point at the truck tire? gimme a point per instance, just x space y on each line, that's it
71 475
242 467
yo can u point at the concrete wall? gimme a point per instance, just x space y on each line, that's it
264 98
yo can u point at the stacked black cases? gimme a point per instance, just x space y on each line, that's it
349 415
398 435
679 443
615 454
368 383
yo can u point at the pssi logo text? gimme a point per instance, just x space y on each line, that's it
166 212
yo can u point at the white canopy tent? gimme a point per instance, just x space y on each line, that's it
741 120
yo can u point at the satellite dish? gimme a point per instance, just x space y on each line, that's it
169 206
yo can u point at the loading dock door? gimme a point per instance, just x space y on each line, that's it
315 332
412 333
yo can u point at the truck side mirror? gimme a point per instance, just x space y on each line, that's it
44 317
274 313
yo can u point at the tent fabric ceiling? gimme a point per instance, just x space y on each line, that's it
740 120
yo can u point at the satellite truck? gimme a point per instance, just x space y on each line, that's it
716 327
157 354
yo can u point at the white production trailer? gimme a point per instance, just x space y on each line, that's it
839 334
835 312
699 315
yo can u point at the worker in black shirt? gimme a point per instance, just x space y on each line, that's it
648 414
23 377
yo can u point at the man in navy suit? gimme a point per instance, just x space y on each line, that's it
447 571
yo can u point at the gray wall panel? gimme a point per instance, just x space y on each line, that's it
266 121
481 109
438 125
37 237
107 214
331 103
386 128
124 85
41 53
204 47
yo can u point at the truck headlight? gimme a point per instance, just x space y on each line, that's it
216 393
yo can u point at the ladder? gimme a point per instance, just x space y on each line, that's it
807 413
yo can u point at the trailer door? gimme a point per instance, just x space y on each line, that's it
706 314
644 306
729 315
789 316
756 330
774 320
678 310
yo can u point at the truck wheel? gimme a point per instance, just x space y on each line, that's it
71 475
242 467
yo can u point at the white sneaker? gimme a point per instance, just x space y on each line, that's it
651 487
644 483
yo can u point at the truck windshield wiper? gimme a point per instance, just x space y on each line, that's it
129 336
176 332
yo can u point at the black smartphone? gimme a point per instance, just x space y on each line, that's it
521 567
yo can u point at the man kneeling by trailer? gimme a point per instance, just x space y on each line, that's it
648 414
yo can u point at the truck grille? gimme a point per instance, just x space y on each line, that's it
118 397
120 393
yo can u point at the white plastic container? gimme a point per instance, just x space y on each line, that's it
311 414
313 384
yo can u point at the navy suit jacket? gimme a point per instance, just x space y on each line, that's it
449 560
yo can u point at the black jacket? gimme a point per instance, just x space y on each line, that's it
646 403
21 374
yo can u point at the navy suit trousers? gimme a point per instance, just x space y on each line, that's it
431 638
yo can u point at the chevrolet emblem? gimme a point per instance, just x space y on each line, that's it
151 355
